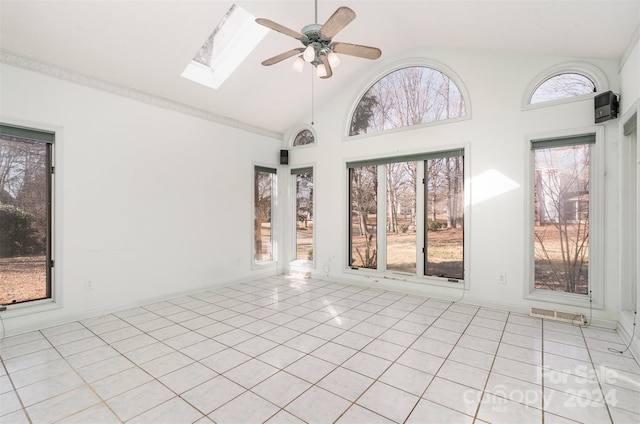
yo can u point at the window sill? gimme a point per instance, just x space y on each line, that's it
408 278
569 299
29 308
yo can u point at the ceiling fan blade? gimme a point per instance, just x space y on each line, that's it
340 19
281 29
282 56
356 50
327 67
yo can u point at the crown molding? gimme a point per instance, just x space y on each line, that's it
59 72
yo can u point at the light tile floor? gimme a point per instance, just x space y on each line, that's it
281 350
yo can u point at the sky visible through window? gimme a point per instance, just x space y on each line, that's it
406 97
562 86
229 44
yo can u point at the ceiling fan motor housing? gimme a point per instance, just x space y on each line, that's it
316 39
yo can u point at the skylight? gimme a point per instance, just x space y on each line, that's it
230 43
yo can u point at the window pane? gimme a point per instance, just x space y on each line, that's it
363 200
401 217
24 219
304 216
444 215
406 97
263 187
303 137
562 86
561 218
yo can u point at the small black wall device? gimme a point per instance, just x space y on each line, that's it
284 157
606 106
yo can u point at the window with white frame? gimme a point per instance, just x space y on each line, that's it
304 226
304 137
562 86
407 215
562 213
26 175
408 96
264 180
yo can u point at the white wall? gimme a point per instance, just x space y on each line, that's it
630 75
496 139
149 202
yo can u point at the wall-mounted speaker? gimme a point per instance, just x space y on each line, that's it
284 157
606 106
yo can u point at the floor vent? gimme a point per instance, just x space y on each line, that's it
570 317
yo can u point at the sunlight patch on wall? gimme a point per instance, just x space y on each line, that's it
490 184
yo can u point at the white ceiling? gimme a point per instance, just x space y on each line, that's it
146 45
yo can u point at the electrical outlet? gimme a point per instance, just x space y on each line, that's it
88 285
502 278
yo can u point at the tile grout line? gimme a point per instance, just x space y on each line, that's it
15 390
445 359
486 383
604 397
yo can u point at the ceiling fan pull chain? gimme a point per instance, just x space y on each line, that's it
312 92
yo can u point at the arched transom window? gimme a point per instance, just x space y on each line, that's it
304 137
562 86
409 96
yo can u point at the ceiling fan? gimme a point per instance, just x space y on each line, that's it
319 49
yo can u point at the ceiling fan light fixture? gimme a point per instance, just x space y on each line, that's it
334 60
298 64
322 71
309 54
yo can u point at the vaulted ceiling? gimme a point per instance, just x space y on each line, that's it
145 45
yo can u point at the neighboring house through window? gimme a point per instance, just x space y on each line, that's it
565 196
561 187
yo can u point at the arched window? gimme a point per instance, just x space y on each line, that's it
304 137
408 96
562 86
